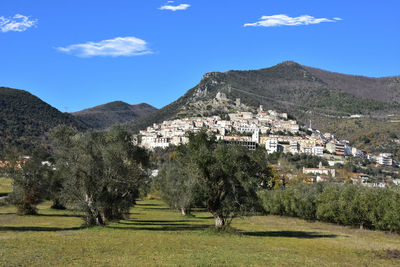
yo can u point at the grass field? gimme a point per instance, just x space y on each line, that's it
5 186
155 235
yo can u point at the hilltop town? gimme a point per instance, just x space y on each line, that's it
268 129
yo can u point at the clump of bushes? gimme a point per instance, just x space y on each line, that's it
352 205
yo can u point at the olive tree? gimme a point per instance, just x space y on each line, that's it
229 176
30 181
179 185
102 173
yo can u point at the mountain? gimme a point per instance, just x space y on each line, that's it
382 89
25 119
304 92
364 110
118 112
327 99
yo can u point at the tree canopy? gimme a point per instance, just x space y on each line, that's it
227 176
103 173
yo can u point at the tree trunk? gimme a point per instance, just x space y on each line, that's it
57 205
27 209
94 216
99 220
184 211
219 221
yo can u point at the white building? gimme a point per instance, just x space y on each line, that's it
318 151
294 147
271 145
256 136
385 159
357 152
307 150
161 142
319 171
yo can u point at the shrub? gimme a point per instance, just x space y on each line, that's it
352 205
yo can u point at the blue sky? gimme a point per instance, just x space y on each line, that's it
76 54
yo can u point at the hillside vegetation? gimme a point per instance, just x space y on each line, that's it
155 235
382 89
370 134
118 112
25 119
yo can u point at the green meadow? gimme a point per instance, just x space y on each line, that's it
154 235
5 186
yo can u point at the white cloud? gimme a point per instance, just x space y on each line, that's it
120 46
18 23
337 18
174 8
284 20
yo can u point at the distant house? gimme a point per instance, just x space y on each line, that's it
239 140
385 159
318 151
271 145
396 181
330 146
294 147
320 171
360 178
357 152
342 148
307 150
161 142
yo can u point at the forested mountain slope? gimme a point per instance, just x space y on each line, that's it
25 119
118 112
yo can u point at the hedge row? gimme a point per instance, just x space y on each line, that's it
353 205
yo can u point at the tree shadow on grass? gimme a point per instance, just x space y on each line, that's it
148 205
165 227
38 229
154 208
162 224
159 225
205 218
158 221
295 234
60 215
43 215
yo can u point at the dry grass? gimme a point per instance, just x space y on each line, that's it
155 235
